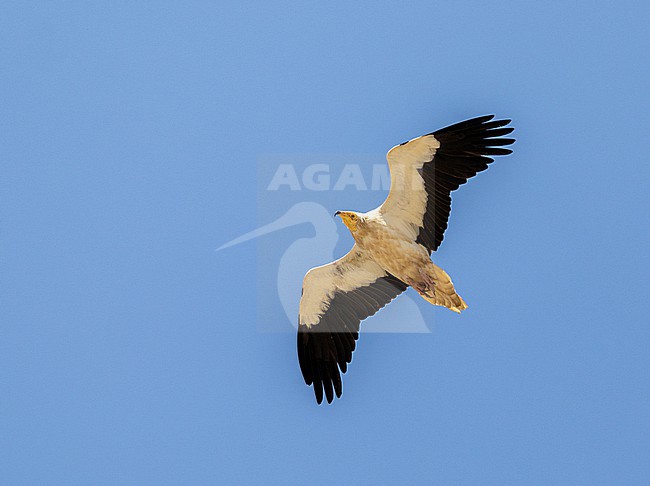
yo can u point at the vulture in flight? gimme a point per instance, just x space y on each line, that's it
393 245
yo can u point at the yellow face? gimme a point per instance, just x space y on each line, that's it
349 219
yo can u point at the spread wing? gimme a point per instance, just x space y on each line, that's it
424 171
335 298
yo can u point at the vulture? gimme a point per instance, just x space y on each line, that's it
393 246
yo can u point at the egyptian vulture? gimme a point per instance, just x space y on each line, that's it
392 249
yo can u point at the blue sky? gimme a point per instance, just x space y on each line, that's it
130 138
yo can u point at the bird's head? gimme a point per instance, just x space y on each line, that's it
350 219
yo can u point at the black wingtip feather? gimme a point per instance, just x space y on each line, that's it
497 132
465 149
464 125
325 349
318 390
320 355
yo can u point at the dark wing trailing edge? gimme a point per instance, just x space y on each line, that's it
464 151
424 171
325 346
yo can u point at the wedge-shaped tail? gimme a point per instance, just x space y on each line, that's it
443 292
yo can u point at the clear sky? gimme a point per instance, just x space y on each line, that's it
132 135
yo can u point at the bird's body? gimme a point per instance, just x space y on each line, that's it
393 244
394 250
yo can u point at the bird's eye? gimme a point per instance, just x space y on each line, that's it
353 216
